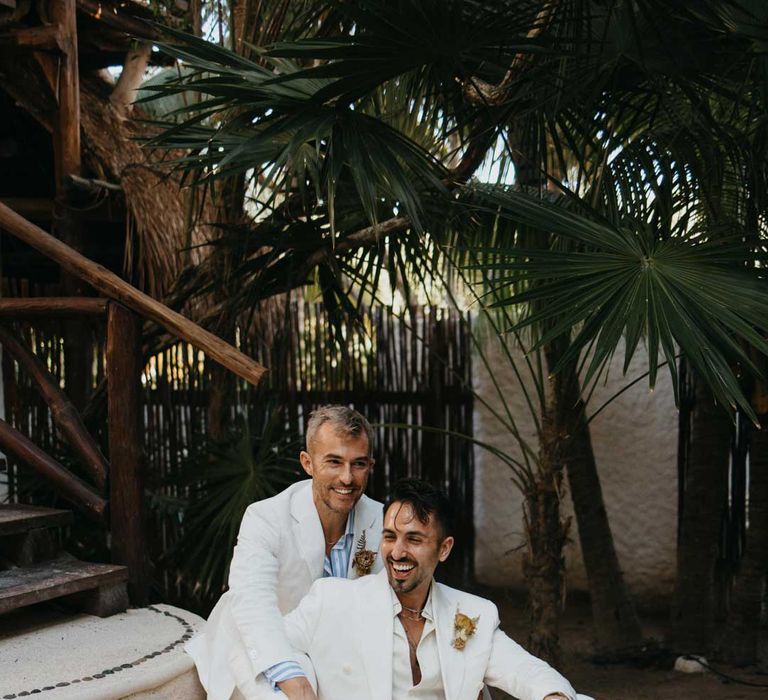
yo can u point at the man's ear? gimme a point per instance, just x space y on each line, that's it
445 548
306 461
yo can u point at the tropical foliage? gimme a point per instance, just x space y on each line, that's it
593 169
645 123
256 460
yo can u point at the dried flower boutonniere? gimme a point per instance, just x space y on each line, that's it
364 558
463 628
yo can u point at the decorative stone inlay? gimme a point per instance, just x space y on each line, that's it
188 632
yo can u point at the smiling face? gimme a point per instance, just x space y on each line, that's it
339 465
411 551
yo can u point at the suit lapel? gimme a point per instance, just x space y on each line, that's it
307 530
451 661
375 626
366 511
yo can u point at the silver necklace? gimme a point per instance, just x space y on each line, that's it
415 611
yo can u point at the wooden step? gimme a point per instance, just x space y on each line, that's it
105 584
16 518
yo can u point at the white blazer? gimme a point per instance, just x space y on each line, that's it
346 628
280 552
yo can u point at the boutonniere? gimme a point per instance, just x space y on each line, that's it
364 558
463 628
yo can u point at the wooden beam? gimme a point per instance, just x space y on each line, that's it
65 416
82 496
52 307
130 19
110 285
45 38
126 452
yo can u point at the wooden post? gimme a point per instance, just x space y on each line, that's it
66 128
126 448
67 163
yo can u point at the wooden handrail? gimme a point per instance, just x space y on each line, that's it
65 416
82 496
56 307
109 284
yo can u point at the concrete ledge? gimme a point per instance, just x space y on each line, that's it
136 654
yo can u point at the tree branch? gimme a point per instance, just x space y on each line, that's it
124 93
479 92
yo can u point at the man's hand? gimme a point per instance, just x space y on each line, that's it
297 688
556 696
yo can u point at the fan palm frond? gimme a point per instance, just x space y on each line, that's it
688 291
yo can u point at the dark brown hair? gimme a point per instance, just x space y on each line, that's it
426 500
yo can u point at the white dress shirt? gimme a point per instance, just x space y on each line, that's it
430 686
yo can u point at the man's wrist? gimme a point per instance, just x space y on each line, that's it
298 688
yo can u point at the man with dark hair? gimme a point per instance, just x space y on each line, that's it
400 635
323 526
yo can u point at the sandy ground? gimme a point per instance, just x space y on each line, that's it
624 682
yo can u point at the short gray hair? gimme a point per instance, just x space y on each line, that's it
347 421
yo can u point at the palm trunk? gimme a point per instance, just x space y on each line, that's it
616 625
704 490
544 566
739 645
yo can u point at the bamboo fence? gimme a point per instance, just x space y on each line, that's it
409 369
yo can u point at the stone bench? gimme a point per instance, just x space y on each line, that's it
136 654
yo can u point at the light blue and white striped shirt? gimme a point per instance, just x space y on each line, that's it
336 564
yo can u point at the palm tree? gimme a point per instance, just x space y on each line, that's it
627 138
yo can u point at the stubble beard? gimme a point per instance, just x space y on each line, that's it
329 504
399 586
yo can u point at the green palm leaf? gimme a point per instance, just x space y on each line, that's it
222 480
704 296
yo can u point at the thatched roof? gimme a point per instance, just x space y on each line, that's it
156 205
157 212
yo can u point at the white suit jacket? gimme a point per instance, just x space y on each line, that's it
346 628
280 551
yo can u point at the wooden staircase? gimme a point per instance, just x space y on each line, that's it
34 569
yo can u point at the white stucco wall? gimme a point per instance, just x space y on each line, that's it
635 444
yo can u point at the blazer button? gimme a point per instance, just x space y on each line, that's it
346 669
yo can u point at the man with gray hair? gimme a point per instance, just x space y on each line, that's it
318 527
